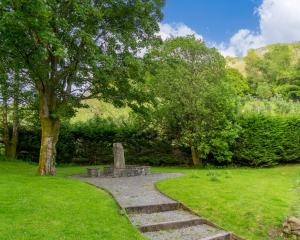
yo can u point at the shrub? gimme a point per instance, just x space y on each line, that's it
267 140
91 143
264 140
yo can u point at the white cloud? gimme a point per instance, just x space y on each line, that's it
176 30
279 23
241 42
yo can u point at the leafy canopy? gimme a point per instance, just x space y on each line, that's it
275 71
80 49
195 97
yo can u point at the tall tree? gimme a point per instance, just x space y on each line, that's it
196 100
10 95
74 50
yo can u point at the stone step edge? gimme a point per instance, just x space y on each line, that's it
171 225
164 207
219 236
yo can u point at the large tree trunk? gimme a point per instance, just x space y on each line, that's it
195 157
50 131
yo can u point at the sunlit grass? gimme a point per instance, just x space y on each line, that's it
55 208
253 203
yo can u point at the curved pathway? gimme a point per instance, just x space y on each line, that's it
156 215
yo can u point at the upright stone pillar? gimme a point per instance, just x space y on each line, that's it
119 159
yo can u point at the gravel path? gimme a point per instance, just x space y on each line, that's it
156 215
134 191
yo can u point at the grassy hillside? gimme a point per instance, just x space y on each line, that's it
239 63
96 108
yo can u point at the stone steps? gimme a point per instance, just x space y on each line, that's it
173 221
199 232
157 216
171 225
154 208
140 219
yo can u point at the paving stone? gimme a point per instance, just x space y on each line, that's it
190 233
168 216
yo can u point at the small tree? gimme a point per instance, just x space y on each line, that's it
74 50
10 103
11 96
196 103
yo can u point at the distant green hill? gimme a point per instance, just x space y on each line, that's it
239 63
100 109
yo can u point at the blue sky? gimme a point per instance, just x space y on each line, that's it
233 26
216 20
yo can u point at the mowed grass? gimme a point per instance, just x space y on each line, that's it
58 208
252 203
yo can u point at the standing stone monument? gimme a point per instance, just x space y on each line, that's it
119 159
120 169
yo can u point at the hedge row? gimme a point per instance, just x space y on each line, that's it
91 143
268 140
263 141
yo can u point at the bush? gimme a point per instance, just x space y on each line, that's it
264 140
267 140
91 143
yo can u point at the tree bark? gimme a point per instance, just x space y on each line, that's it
50 125
195 157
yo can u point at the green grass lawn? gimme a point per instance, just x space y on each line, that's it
58 208
250 202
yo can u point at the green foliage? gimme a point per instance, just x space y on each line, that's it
275 71
72 49
95 108
196 101
267 140
75 50
237 80
91 142
276 105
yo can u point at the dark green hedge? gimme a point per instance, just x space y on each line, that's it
91 143
268 140
263 141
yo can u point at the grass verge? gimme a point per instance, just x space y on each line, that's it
56 208
252 203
